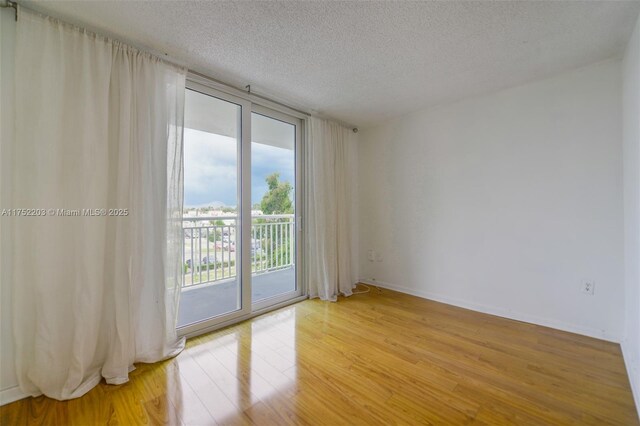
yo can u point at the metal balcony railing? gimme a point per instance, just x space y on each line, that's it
210 246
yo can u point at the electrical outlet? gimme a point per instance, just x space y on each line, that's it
378 257
589 287
371 255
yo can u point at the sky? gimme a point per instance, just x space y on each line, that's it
210 169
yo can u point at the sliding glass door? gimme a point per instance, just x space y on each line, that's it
274 188
241 208
212 261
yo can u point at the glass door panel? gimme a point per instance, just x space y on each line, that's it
273 200
211 215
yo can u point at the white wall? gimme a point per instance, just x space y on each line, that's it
8 381
631 138
504 203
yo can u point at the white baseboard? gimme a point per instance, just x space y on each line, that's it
501 312
633 373
11 394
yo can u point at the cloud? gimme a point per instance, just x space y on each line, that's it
210 168
266 159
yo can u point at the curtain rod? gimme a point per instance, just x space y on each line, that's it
249 92
12 4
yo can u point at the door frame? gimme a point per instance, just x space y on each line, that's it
244 181
250 103
299 173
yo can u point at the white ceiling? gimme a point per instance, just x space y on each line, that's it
364 62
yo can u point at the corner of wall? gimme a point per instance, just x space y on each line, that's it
8 380
633 372
631 183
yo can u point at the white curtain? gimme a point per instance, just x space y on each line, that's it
330 159
98 126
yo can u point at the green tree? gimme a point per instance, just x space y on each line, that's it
217 235
277 200
276 242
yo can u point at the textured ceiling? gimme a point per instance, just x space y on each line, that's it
364 62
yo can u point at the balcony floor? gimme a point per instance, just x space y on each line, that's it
209 300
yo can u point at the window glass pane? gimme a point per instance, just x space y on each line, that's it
273 171
211 216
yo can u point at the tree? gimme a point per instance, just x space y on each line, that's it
217 235
277 200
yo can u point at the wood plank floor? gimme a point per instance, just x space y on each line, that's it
377 358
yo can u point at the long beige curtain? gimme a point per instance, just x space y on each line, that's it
96 270
330 159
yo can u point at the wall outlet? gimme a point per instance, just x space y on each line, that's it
589 287
371 255
378 257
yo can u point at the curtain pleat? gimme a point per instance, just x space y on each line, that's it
95 280
330 155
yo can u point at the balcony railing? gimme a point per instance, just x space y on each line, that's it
210 246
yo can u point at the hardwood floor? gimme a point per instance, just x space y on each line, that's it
377 358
